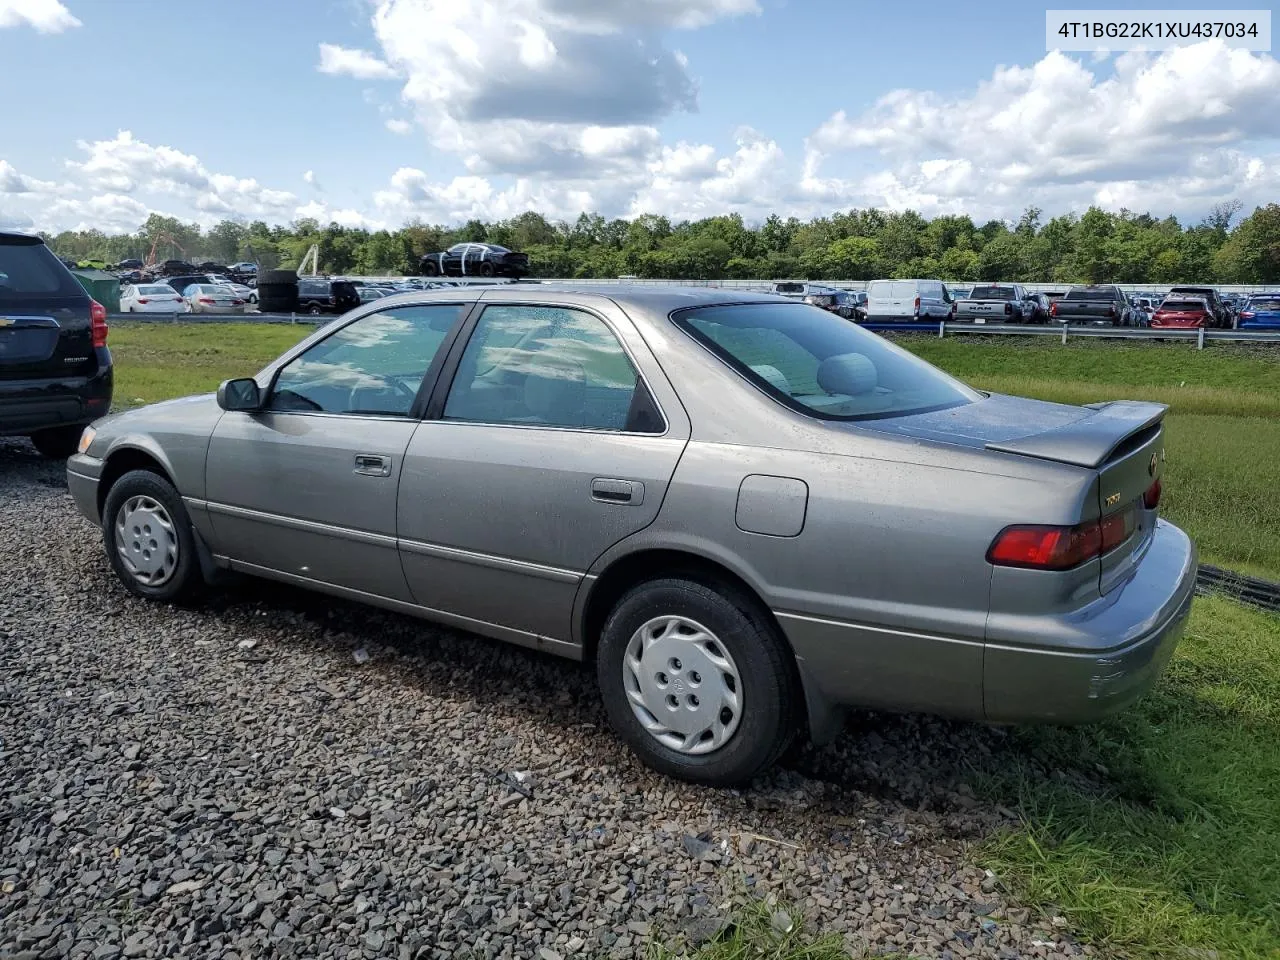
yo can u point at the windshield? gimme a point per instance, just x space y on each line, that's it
1267 306
992 293
818 364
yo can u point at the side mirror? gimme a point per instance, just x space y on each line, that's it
242 394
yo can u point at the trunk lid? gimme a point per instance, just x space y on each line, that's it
1122 442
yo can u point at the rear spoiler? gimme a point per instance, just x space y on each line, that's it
1092 441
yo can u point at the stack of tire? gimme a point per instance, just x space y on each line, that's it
277 291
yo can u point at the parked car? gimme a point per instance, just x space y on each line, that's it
368 292
174 268
797 289
1103 304
909 300
151 298
213 298
864 529
1260 312
239 289
958 293
317 296
826 299
243 266
55 368
180 283
995 303
129 263
1221 315
1178 311
476 260
1040 305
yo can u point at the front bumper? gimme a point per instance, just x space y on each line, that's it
1121 644
83 474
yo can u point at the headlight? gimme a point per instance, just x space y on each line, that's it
86 438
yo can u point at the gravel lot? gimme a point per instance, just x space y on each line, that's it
237 781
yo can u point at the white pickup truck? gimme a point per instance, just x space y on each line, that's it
995 303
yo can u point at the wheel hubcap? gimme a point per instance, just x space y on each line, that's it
146 540
683 685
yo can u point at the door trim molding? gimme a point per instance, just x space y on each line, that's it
434 550
558 574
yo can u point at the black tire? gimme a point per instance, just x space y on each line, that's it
314 310
430 268
57 443
277 276
486 269
185 582
769 719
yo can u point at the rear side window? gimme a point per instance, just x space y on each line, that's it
30 272
549 367
818 364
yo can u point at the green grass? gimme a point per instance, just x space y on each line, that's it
758 932
156 361
1158 832
1223 472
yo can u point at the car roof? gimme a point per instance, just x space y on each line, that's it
644 298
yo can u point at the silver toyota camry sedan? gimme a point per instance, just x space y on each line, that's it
748 512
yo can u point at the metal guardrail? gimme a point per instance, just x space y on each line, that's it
1199 336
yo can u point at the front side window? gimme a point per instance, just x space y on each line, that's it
374 366
551 367
817 364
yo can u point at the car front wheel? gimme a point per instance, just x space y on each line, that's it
147 534
696 680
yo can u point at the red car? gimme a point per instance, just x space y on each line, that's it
1183 313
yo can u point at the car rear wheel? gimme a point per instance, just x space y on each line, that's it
696 680
147 534
314 310
486 269
431 268
57 443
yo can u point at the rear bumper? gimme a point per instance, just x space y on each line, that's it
37 404
1119 644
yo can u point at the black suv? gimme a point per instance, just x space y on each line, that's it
327 296
55 368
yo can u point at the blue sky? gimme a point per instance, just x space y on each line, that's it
374 111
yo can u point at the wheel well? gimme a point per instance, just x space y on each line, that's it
645 565
120 463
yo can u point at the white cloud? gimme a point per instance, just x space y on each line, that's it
11 181
1057 133
45 16
353 63
129 166
402 127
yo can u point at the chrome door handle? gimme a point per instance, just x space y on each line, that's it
373 465
630 492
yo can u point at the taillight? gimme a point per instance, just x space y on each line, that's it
1041 547
143 300
1111 311
917 304
206 299
1008 308
1053 308
1246 314
98 323
1151 499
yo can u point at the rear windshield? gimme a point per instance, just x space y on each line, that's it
1090 293
30 272
154 290
992 293
1183 305
815 362
1267 305
789 288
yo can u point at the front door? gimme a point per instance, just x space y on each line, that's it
550 448
307 487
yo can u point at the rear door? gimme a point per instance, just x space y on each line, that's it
547 449
45 326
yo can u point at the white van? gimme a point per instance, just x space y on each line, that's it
908 300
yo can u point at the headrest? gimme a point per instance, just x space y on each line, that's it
555 390
847 373
773 376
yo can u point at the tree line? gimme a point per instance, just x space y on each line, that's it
1095 247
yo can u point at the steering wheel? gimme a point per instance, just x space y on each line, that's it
396 383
